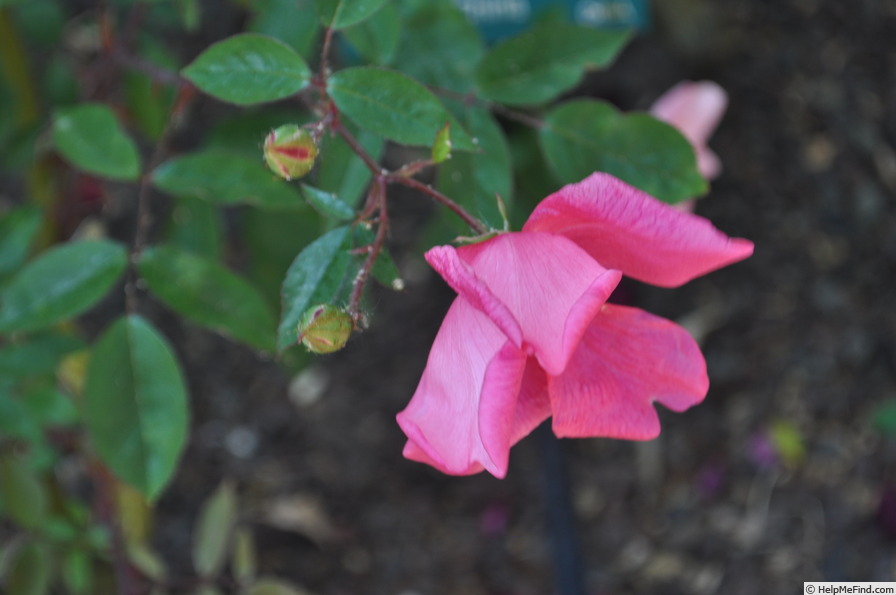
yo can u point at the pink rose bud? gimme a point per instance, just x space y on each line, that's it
290 151
325 328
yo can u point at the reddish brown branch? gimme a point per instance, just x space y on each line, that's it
378 194
443 200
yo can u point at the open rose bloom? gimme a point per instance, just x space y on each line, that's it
530 335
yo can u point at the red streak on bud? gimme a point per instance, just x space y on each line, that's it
292 152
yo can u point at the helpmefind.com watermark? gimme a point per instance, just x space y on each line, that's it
828 588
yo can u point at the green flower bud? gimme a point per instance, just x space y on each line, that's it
290 151
325 328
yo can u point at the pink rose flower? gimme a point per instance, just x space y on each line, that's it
530 334
695 110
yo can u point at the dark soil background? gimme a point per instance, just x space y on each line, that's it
781 476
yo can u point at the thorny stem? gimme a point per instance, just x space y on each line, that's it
443 200
399 178
325 59
378 197
144 216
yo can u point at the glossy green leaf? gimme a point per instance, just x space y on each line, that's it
207 293
327 204
581 137
474 179
339 14
60 283
249 68
30 570
439 46
341 172
225 178
376 39
394 106
135 405
91 139
23 495
322 273
543 62
18 229
211 537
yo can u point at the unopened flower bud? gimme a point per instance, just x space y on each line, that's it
325 328
290 151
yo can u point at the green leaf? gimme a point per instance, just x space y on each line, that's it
384 269
439 46
135 405
16 421
394 106
147 561
327 204
150 103
211 536
322 273
474 180
278 18
208 294
339 14
29 571
543 62
37 355
243 558
249 68
341 172
77 571
441 147
90 138
60 283
194 226
49 407
23 495
376 39
245 131
18 229
584 136
225 178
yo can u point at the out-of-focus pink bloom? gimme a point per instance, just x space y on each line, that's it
695 110
530 334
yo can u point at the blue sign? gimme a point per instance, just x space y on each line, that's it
498 19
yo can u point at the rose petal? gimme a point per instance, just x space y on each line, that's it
549 286
626 229
626 360
693 108
473 374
